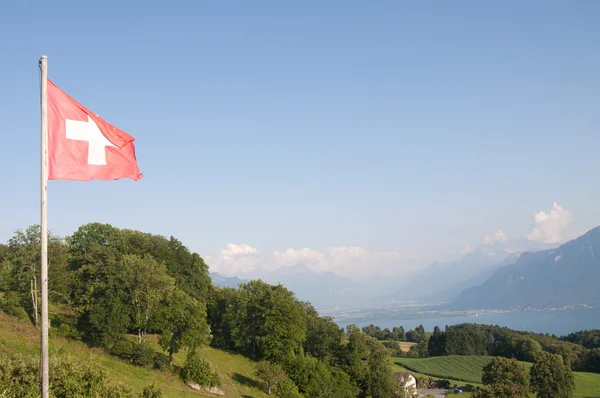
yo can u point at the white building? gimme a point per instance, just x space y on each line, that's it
408 381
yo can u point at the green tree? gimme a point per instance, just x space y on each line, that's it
323 336
379 382
199 370
316 379
221 300
525 348
437 343
183 324
422 346
506 378
189 270
551 378
146 284
398 333
270 374
21 261
266 321
287 389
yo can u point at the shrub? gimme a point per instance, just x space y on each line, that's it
198 370
286 389
151 392
161 361
64 326
69 378
123 349
143 355
11 304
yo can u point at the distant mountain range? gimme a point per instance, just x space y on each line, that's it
441 282
569 274
226 281
494 275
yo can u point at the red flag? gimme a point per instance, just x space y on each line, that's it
82 146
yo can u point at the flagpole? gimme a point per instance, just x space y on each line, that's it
44 225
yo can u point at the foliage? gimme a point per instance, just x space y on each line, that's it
184 324
286 389
198 370
550 377
145 284
323 336
587 338
143 355
315 379
151 392
266 321
69 378
221 300
270 374
506 378
466 339
379 382
11 303
436 345
19 264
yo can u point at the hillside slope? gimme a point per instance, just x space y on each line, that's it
567 275
236 371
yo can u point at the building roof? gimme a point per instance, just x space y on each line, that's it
402 376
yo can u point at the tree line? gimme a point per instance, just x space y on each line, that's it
580 350
505 377
112 288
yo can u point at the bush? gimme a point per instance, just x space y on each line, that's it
199 370
69 378
11 304
161 361
64 326
286 389
122 349
151 392
143 355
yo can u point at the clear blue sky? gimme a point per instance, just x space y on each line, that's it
389 125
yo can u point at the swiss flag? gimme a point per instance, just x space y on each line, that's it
82 146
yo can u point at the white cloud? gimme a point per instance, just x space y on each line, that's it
498 236
235 259
549 226
353 261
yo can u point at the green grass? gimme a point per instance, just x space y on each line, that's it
464 368
468 369
19 336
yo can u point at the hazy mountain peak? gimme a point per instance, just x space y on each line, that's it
560 276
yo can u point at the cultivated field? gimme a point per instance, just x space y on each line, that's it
468 369
405 345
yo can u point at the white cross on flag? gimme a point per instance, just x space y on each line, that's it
82 146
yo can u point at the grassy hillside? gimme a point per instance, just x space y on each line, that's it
469 369
236 371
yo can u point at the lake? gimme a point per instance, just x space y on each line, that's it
558 322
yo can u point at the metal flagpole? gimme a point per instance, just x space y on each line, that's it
44 225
